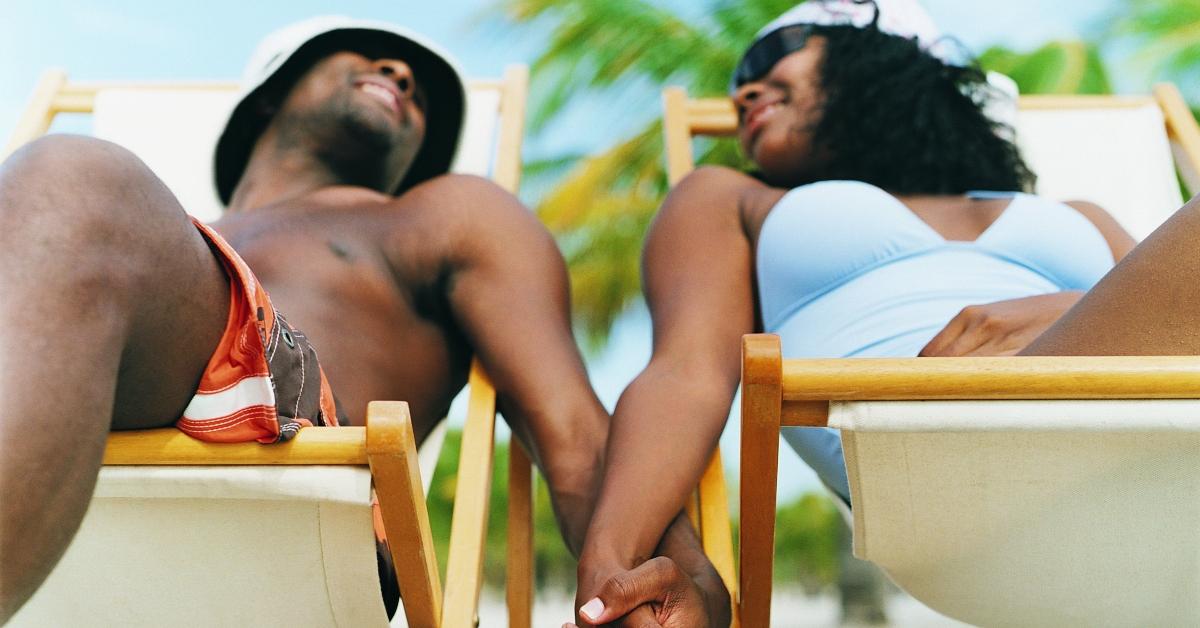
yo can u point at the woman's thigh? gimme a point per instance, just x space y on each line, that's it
1149 304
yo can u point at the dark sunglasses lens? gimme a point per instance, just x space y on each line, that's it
766 52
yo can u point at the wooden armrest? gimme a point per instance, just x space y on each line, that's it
1106 377
169 446
801 389
392 451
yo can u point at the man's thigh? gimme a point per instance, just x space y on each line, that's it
99 258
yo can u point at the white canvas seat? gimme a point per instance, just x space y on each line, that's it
1031 513
1112 151
186 533
181 532
265 525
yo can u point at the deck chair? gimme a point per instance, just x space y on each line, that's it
1003 491
177 496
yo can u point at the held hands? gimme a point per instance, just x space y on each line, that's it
1000 328
655 594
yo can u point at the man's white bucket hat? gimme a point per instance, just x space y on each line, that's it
285 54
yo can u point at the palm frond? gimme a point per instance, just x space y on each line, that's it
1062 67
620 53
1166 37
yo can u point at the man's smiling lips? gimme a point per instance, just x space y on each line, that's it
383 91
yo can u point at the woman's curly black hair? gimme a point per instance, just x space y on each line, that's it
898 118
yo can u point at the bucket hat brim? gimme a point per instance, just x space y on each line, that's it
286 54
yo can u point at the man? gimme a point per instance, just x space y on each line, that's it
122 314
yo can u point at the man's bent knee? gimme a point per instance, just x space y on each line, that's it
68 155
79 191
77 178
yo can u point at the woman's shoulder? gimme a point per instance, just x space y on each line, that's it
759 204
719 189
722 179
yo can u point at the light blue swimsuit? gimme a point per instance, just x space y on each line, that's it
847 270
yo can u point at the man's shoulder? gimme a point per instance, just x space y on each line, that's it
453 189
461 201
451 212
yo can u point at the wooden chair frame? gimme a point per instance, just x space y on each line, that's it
779 392
386 444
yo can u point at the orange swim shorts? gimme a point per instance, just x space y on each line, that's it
263 383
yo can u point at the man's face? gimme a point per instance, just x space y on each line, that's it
349 102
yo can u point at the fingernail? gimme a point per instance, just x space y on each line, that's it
593 609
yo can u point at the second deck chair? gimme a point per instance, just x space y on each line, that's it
165 540
1004 513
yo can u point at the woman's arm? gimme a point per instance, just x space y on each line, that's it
683 592
1007 327
698 271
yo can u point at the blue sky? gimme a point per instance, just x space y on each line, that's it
171 39
135 39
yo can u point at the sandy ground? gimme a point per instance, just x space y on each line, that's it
788 610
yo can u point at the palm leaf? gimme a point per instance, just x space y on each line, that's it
1166 36
620 53
1063 67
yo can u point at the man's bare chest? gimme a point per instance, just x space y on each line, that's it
317 263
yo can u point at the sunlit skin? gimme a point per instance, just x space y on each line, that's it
698 278
117 302
778 113
352 266
362 119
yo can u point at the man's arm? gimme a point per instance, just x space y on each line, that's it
698 282
685 591
507 288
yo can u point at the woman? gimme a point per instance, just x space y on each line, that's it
885 219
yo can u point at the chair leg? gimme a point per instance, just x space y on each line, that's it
716 529
520 564
392 454
472 496
762 399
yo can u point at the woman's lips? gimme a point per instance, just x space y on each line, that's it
758 117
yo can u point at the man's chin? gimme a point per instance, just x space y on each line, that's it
368 138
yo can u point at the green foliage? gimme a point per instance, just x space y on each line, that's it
806 541
624 50
1061 67
440 499
553 563
1166 35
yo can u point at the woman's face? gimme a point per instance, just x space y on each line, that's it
778 113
